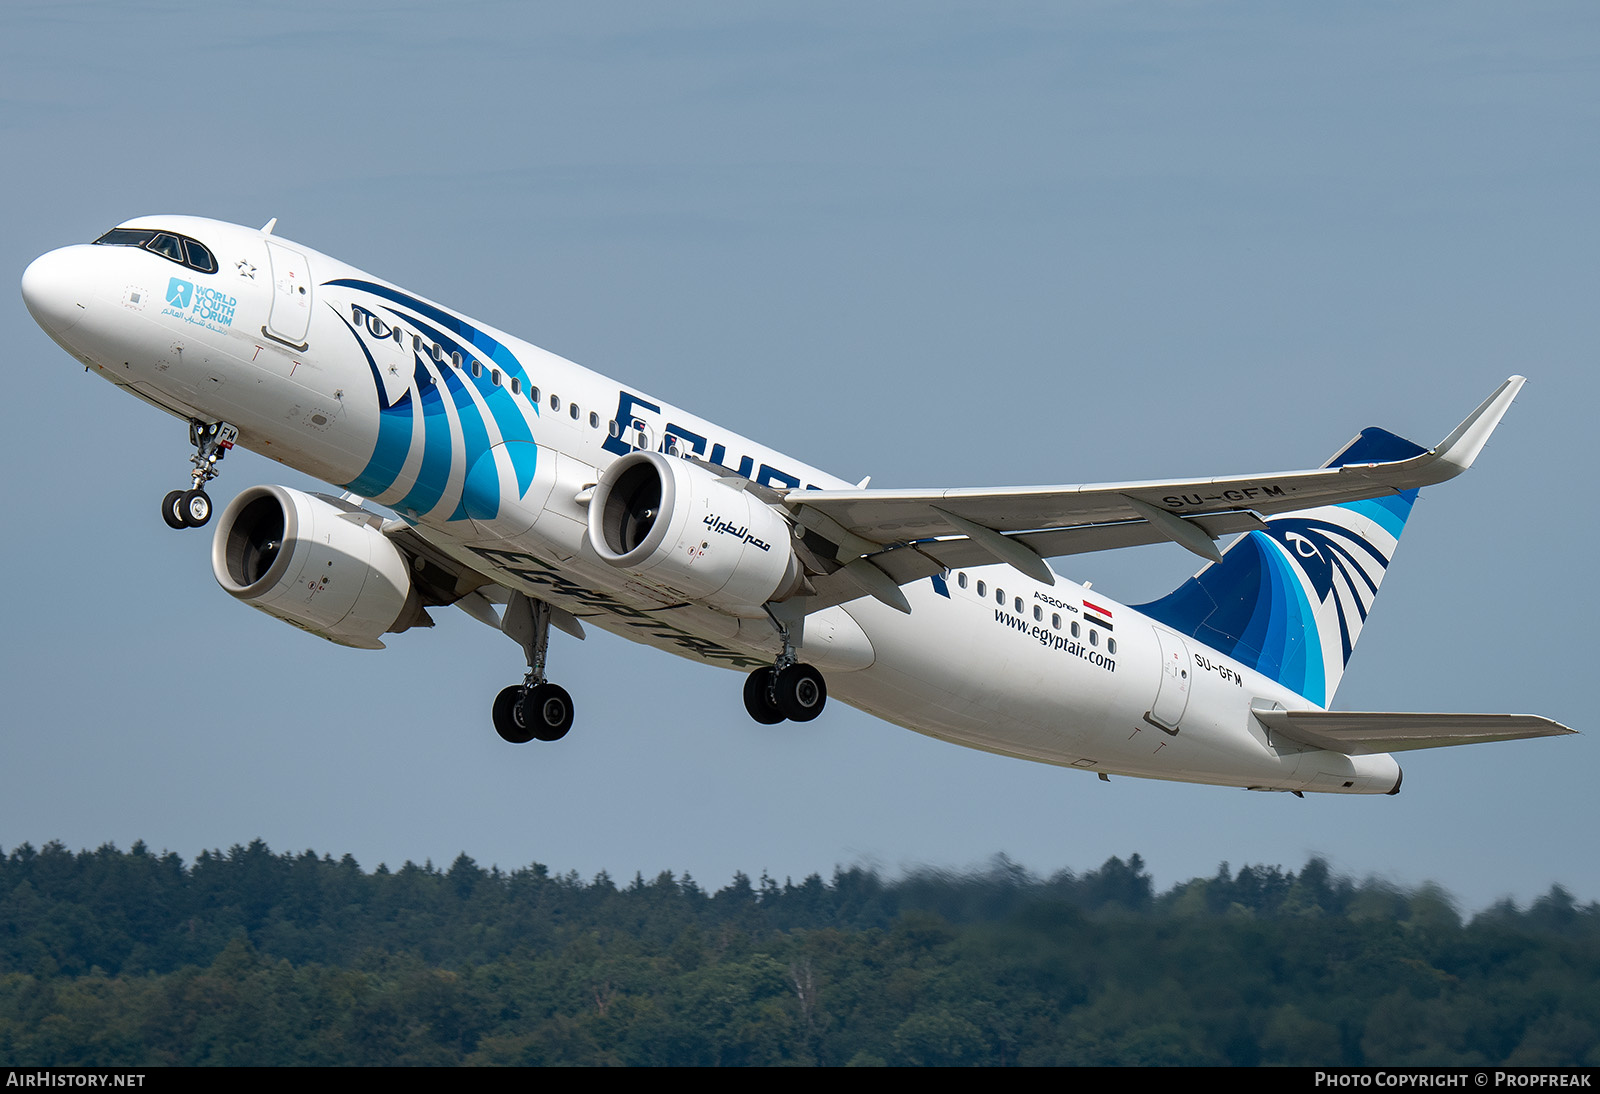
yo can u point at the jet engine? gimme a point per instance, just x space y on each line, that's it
309 562
679 526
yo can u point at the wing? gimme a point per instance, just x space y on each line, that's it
879 539
1360 732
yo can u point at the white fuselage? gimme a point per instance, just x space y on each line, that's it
306 355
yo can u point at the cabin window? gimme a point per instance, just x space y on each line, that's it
613 428
1055 620
1075 629
982 589
555 402
516 386
1000 597
477 368
1111 645
494 377
1016 605
573 409
1094 637
961 579
594 420
1038 614
533 393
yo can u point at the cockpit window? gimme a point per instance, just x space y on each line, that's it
169 245
126 237
199 257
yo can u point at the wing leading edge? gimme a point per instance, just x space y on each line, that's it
909 534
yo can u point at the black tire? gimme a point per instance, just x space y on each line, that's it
508 716
800 693
195 508
547 710
758 698
170 511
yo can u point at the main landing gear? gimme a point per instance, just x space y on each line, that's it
529 711
788 690
192 508
535 709
794 692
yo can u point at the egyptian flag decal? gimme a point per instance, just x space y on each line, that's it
1097 615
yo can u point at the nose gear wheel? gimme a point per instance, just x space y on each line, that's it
192 508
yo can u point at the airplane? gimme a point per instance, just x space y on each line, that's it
535 494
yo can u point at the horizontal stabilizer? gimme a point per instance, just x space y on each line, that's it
1361 732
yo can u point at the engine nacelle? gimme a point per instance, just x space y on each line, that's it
675 524
307 562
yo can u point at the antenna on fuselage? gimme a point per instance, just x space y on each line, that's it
266 229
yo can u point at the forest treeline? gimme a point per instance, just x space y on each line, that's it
133 958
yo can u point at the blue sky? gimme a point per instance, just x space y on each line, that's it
939 244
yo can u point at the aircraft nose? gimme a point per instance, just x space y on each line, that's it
55 290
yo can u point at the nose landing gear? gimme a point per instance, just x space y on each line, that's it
186 508
192 508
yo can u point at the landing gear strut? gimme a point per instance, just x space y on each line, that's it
535 709
192 508
786 691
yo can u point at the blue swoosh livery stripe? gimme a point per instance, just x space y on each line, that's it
395 431
434 473
1261 604
474 435
394 434
471 342
1389 513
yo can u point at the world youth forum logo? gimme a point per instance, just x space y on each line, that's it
211 308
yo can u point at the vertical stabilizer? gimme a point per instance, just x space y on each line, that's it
1290 601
